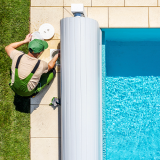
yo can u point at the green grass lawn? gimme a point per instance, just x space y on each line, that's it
14 110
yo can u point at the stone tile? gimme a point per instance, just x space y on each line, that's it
45 149
154 18
84 2
52 44
140 2
100 14
108 3
41 15
67 12
46 3
45 121
50 91
128 17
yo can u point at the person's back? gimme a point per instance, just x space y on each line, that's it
26 65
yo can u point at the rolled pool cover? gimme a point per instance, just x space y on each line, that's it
81 91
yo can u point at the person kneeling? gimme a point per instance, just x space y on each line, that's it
29 74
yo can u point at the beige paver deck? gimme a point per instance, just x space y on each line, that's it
52 15
46 3
45 148
106 3
154 18
45 120
100 14
128 17
140 2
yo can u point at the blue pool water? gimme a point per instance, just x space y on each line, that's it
131 94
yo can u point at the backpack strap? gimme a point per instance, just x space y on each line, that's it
18 60
36 67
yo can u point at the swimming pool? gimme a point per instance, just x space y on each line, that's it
131 94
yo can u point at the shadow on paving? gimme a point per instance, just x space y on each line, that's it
22 104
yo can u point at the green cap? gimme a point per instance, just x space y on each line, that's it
37 46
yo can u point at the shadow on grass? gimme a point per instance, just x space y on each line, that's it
22 104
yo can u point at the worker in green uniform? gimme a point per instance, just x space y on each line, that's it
29 74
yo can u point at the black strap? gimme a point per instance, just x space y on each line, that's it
34 69
18 60
36 66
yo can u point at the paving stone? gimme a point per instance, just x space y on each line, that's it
154 18
107 3
128 17
45 121
46 3
41 15
45 149
100 14
140 2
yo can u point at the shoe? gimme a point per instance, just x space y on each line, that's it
55 102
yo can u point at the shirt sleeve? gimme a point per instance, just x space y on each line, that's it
15 53
45 66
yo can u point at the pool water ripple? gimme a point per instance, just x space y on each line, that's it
131 118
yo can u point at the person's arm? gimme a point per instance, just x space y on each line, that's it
52 63
15 45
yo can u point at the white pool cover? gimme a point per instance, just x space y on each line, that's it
81 89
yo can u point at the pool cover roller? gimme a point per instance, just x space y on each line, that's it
81 89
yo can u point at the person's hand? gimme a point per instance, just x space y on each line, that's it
28 38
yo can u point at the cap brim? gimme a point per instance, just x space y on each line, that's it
45 44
